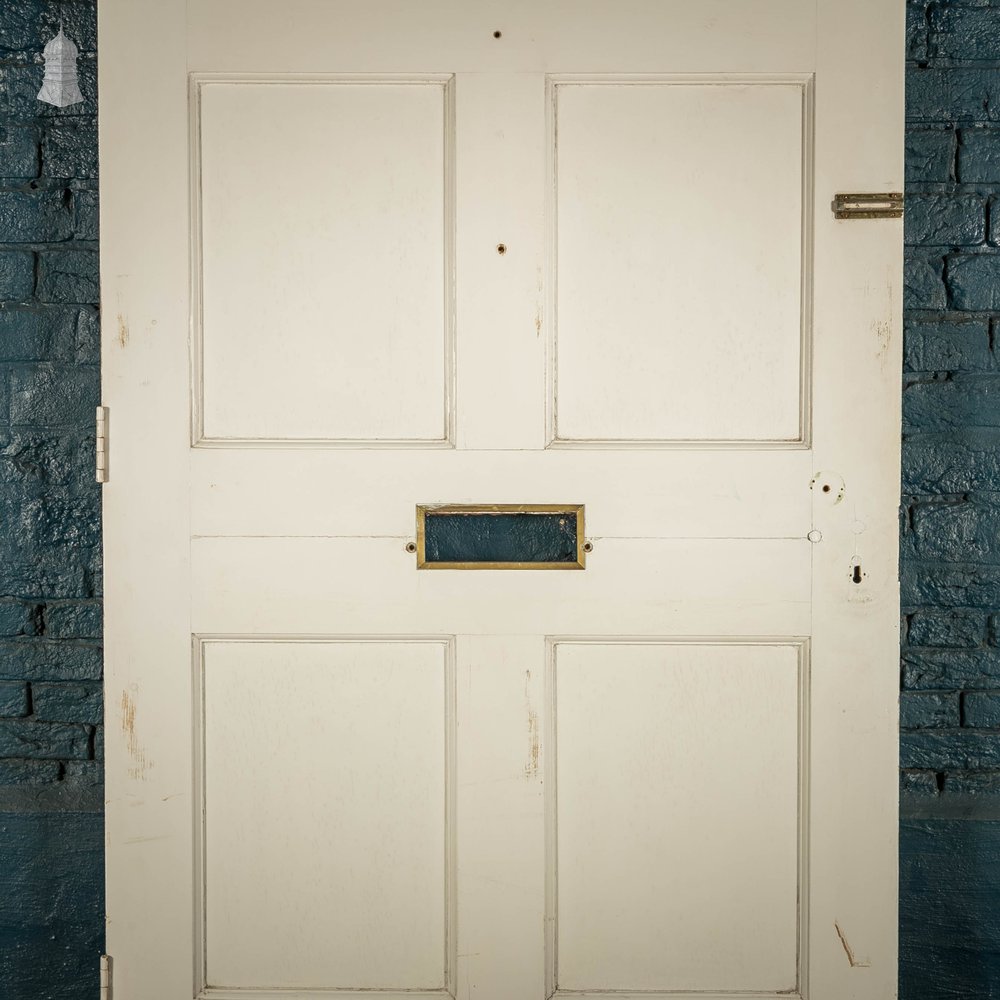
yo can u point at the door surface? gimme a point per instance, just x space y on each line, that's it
360 255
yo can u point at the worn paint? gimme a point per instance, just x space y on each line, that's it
140 764
122 331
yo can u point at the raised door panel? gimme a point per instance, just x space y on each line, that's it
676 811
682 290
326 847
321 257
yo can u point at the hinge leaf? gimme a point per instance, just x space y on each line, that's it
101 445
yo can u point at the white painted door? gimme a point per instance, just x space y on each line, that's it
360 255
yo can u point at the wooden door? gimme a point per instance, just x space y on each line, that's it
363 255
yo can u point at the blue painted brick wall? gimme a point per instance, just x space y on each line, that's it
950 564
51 900
51 826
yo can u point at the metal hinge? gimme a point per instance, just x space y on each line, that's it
101 445
105 977
868 206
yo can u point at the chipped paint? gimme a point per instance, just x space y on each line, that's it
856 963
122 331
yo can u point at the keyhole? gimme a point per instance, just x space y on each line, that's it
857 573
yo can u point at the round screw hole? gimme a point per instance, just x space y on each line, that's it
411 547
588 546
498 34
501 248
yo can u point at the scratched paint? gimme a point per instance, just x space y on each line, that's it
531 768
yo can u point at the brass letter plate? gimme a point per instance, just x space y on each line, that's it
500 536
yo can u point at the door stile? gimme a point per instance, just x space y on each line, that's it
502 764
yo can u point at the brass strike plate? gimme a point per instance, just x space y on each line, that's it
501 536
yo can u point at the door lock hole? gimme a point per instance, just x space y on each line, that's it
498 34
501 248
857 575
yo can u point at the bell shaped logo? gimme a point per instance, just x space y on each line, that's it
60 86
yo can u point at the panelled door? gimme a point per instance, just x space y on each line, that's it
363 255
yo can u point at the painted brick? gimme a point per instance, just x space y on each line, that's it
20 25
49 661
51 573
88 773
88 337
69 150
26 25
54 960
949 927
947 629
939 751
43 740
52 866
974 281
917 30
984 784
947 345
67 702
918 784
953 94
965 33
34 457
19 153
923 281
68 276
28 772
981 709
74 620
979 156
38 333
930 155
56 520
959 402
951 463
994 630
944 219
85 215
933 670
13 699
994 228
99 743
18 617
36 217
52 397
928 709
966 530
17 275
